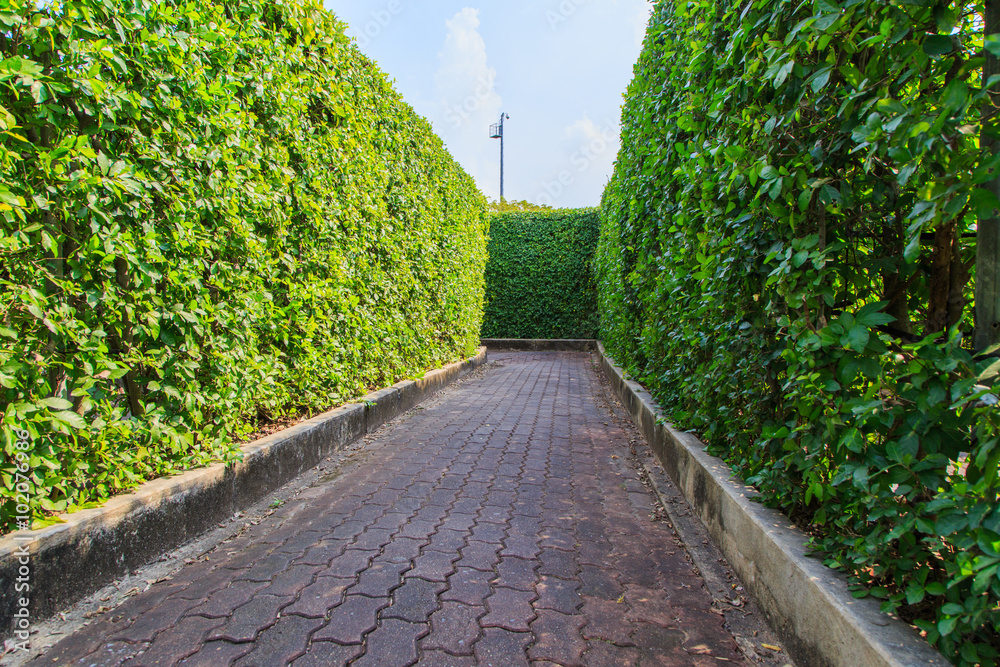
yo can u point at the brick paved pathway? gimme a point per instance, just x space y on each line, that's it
501 525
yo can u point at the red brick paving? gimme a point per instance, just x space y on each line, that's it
501 525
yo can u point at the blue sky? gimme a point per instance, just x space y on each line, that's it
558 67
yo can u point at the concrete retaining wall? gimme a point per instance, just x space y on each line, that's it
808 604
94 547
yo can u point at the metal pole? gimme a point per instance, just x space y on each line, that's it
501 157
988 236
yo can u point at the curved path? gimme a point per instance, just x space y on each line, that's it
501 524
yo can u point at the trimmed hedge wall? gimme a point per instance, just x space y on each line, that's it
213 216
539 281
786 261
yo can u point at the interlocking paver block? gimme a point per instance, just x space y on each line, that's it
299 543
502 648
201 568
402 549
504 521
687 592
247 557
650 605
216 653
557 638
291 581
448 541
323 552
468 586
660 646
380 579
641 571
509 609
347 530
408 504
175 642
281 643
393 644
113 654
432 513
494 514
560 594
319 597
148 624
524 527
351 620
414 601
596 553
349 564
602 654
247 621
458 521
606 621
703 633
454 628
266 569
392 521
433 566
521 547
328 654
420 529
557 538
516 573
150 600
212 580
442 659
373 539
491 533
221 604
83 643
558 563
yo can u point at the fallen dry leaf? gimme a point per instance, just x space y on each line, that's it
97 612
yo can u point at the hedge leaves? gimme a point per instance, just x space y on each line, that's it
787 262
539 279
212 215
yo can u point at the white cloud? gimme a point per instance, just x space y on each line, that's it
583 131
586 155
468 100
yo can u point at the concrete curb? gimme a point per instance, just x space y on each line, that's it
94 547
541 344
808 604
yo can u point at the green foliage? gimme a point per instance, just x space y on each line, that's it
522 206
786 261
539 280
212 215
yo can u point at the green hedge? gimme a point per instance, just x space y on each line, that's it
539 280
214 215
786 261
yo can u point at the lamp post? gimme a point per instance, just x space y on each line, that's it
496 132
